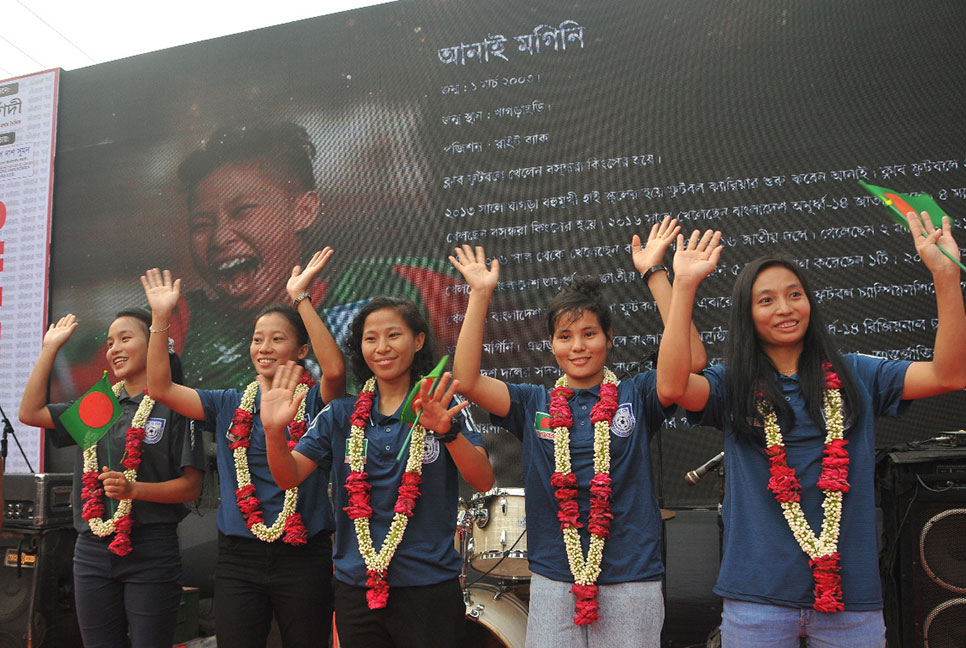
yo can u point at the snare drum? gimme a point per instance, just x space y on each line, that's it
498 546
494 619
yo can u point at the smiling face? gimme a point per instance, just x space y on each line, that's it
580 346
274 342
127 349
389 345
244 219
779 308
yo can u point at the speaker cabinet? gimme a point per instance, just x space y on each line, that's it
36 589
923 562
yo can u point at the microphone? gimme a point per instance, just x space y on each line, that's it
694 476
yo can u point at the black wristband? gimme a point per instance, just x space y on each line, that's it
652 270
449 437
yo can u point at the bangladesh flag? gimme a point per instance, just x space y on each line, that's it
902 204
93 414
541 422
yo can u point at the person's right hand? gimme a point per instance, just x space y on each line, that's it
58 333
699 257
280 403
472 265
162 293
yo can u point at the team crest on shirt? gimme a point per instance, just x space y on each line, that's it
624 421
153 430
430 449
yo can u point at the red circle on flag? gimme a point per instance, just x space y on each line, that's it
95 410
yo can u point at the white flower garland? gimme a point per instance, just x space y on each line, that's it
100 527
244 477
827 543
587 570
414 464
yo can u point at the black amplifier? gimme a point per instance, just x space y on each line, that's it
37 500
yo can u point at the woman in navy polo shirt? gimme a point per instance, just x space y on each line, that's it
593 523
395 566
800 542
127 564
274 545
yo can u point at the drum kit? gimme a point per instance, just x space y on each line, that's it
491 536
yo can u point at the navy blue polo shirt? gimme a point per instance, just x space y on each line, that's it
170 443
426 555
762 562
633 551
313 501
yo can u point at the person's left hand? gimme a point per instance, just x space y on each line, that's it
928 240
116 485
652 253
436 416
301 279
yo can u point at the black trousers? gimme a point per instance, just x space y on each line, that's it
431 616
139 592
255 580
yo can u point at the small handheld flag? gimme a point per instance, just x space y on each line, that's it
407 415
901 204
93 414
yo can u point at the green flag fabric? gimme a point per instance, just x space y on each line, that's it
901 204
93 414
407 415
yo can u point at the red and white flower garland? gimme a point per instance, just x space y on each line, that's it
585 570
92 490
822 550
288 521
359 509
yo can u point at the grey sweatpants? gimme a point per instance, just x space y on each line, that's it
631 615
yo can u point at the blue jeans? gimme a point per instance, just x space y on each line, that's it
756 625
139 592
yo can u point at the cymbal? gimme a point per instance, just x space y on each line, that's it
667 514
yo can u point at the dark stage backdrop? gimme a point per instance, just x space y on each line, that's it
550 132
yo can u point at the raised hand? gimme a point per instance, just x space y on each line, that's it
471 263
59 332
278 407
652 254
928 240
301 279
699 257
162 293
436 416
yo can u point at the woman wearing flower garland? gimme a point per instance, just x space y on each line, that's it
127 568
589 465
395 566
274 545
800 541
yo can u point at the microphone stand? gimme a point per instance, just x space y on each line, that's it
8 430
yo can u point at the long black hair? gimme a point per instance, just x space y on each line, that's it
750 372
142 316
425 358
580 295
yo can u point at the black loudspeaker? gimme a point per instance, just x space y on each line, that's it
36 589
922 492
